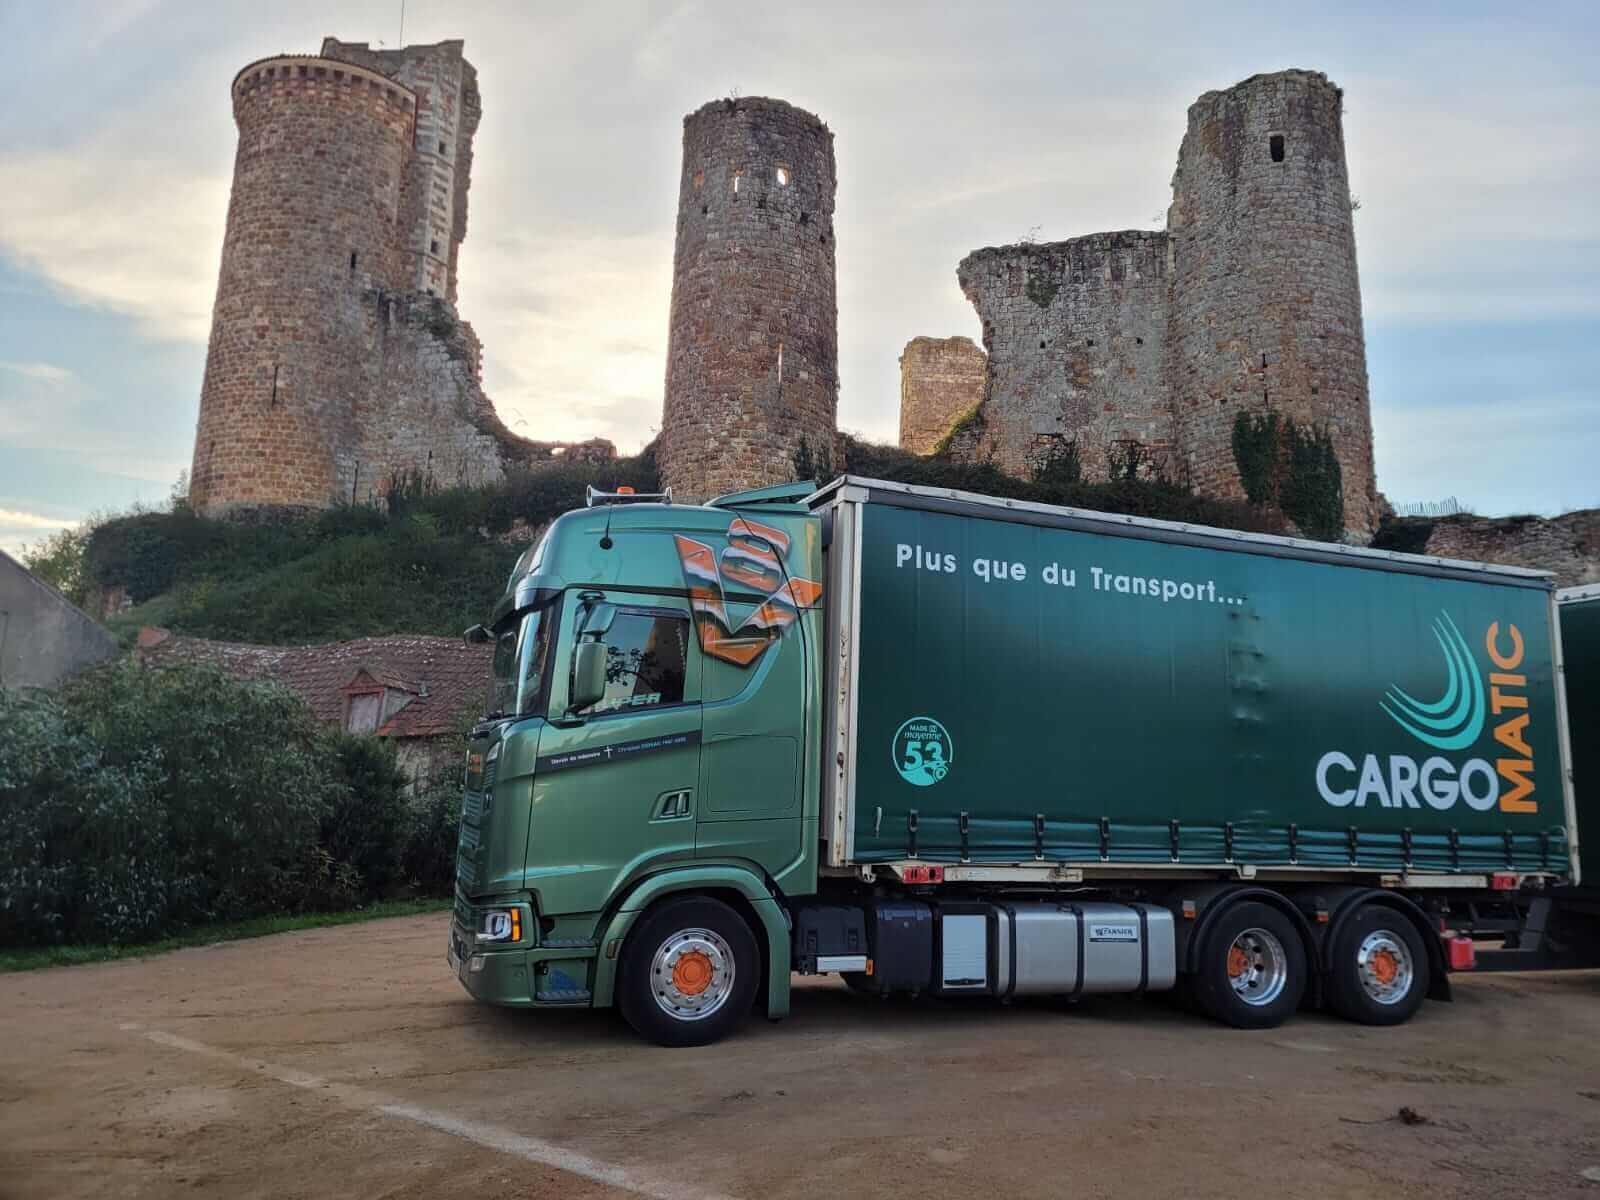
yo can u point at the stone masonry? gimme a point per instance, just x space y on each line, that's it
1154 342
337 361
940 380
1568 545
752 353
1076 333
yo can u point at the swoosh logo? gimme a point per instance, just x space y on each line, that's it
1455 720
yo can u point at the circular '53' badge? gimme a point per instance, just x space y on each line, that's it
923 752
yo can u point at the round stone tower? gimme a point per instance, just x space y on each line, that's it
752 353
317 185
1266 305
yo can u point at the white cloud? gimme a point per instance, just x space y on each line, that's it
574 329
16 519
116 230
48 374
20 529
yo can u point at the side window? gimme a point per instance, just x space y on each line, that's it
646 661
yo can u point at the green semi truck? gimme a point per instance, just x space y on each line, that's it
948 745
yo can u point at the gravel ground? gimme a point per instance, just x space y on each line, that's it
348 1062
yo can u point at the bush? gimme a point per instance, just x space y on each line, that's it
141 801
1059 483
431 561
430 852
369 822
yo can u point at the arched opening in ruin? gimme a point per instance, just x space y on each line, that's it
737 177
783 176
1275 147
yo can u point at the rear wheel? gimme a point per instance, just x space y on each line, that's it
688 973
1252 969
1380 968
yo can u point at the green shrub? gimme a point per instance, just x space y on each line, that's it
367 826
1293 469
1158 498
139 802
431 562
430 852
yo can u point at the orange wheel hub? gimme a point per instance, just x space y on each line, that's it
1238 962
1385 966
691 974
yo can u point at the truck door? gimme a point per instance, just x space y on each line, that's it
616 793
750 767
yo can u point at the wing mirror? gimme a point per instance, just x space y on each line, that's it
588 675
597 623
589 657
478 635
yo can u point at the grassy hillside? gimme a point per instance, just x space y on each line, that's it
434 561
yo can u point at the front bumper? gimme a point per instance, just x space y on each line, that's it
522 977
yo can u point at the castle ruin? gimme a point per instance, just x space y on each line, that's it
752 353
1142 348
941 381
337 361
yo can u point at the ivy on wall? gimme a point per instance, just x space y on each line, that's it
1292 469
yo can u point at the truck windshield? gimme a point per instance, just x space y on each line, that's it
521 647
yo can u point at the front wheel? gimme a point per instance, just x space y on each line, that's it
1252 969
688 973
1380 968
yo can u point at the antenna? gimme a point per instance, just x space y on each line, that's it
402 42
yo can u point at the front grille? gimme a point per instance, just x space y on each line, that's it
472 808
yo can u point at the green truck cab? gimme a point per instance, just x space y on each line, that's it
654 732
944 744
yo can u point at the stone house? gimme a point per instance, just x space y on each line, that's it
416 691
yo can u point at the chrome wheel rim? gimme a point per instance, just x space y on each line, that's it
692 973
1385 967
1258 967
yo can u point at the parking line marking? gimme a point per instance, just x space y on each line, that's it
491 1137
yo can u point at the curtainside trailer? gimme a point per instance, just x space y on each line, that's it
948 745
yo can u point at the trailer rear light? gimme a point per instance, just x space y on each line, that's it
1503 881
1189 910
1463 954
922 874
625 490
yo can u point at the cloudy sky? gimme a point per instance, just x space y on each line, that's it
1472 131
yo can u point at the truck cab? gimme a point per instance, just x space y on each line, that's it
653 728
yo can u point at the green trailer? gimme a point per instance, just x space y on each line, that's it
1558 927
944 744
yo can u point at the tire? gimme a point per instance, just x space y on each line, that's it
689 973
1252 969
1381 971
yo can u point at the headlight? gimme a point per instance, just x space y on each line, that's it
500 925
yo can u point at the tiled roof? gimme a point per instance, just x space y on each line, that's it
443 677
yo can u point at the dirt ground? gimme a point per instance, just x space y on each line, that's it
349 1062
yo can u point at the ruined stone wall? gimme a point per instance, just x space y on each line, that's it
940 380
337 360
1248 302
1076 335
1266 303
310 238
433 217
1568 545
752 354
